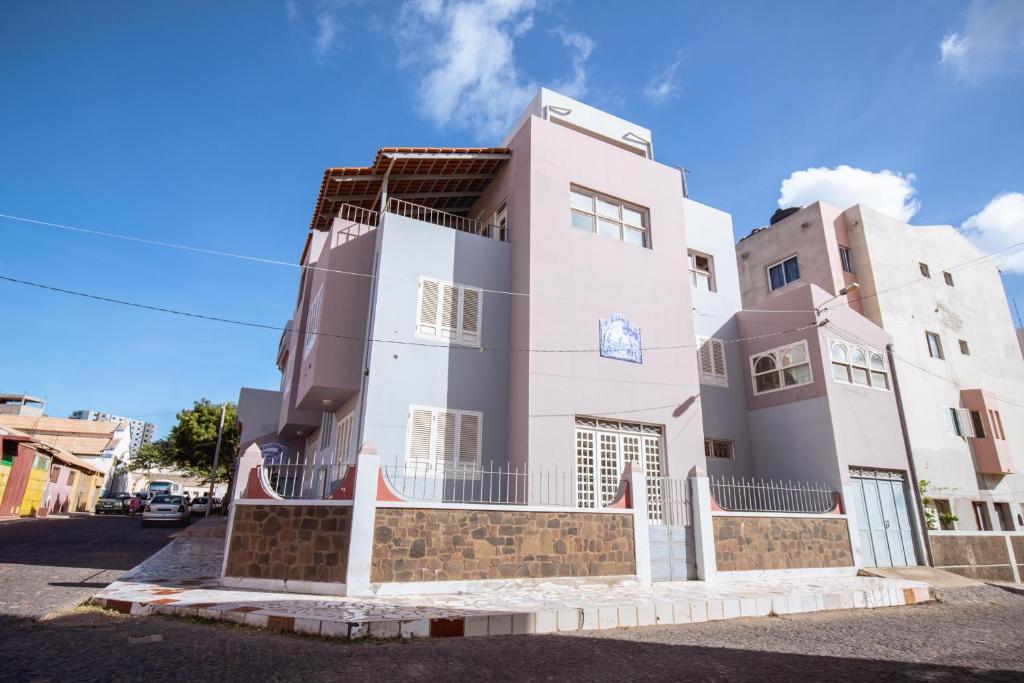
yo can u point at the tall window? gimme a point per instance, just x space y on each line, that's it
702 271
286 376
846 259
934 345
981 518
781 368
924 269
344 451
858 365
978 424
444 440
326 437
997 424
609 217
783 273
499 219
711 362
449 311
313 320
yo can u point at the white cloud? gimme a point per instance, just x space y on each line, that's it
999 225
463 52
663 86
326 32
888 192
991 40
291 10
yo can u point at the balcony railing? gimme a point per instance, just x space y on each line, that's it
484 486
742 495
445 219
304 481
357 214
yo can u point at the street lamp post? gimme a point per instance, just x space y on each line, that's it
216 457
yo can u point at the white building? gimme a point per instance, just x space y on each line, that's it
141 432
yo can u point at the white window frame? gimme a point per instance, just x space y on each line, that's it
698 274
597 478
709 448
343 452
644 228
783 262
431 462
938 344
958 422
458 335
776 353
313 321
718 377
846 260
867 367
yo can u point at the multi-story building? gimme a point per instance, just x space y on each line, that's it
21 404
142 432
957 363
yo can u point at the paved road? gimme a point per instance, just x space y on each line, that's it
51 564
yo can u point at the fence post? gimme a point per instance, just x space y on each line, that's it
703 526
364 512
641 522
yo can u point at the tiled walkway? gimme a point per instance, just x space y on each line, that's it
181 580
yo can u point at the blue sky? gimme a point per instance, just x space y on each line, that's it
209 124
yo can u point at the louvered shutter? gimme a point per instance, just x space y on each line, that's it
427 323
444 440
707 367
718 361
343 452
966 423
469 440
470 315
420 422
947 418
449 311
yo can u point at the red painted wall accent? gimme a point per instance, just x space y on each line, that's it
254 487
347 488
18 481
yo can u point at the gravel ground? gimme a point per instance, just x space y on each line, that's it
969 636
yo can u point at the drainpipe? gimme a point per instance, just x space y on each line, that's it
915 487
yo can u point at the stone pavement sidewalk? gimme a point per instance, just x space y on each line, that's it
182 579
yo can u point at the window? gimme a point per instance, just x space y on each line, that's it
603 447
609 217
344 451
964 349
958 422
1004 516
997 424
499 219
948 277
711 362
326 434
702 271
934 345
71 477
286 377
718 449
947 520
449 311
858 365
977 424
783 273
981 518
924 269
313 320
54 474
444 440
781 368
846 259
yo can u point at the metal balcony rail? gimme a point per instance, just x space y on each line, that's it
305 481
742 495
445 219
357 214
487 486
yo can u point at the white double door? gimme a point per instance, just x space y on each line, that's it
884 520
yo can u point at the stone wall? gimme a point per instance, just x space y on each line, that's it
459 545
1018 552
290 542
759 543
981 557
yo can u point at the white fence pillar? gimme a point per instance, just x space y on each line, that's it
641 523
703 527
364 513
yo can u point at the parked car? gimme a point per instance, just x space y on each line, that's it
166 509
113 503
199 506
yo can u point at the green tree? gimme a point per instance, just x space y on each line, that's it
193 439
154 455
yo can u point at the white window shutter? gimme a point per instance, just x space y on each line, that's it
444 439
449 311
707 368
718 356
469 440
947 418
420 427
343 452
470 315
966 423
427 323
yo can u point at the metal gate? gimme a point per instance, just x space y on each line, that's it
671 529
883 518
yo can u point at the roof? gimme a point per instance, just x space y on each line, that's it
77 436
57 453
445 178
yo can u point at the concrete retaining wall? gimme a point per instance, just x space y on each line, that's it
986 557
758 543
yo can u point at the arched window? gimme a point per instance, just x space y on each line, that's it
781 368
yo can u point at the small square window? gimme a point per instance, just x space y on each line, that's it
783 273
718 449
702 271
924 269
934 345
964 349
948 278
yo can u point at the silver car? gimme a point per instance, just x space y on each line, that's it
166 509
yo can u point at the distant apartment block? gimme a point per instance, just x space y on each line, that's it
21 404
141 432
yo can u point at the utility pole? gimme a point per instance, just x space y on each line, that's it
216 457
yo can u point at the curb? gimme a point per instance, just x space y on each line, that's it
530 623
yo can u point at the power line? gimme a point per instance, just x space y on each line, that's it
263 326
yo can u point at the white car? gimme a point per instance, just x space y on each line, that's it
199 506
166 509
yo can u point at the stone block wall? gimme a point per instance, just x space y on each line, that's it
290 542
759 543
981 557
1017 542
461 545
